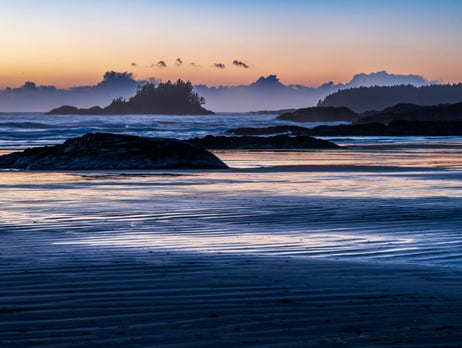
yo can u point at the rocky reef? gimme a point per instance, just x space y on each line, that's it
105 151
292 130
279 142
395 128
415 113
320 114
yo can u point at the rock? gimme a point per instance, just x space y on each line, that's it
65 110
293 130
271 112
253 143
103 151
416 113
424 128
72 110
320 114
369 129
395 128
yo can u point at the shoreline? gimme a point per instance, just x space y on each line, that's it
130 297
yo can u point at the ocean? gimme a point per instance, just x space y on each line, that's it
393 199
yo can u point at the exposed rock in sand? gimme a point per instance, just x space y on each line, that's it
99 151
293 130
254 143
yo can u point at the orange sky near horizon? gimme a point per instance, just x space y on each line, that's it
68 43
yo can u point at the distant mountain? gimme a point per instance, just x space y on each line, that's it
382 78
267 93
33 98
377 98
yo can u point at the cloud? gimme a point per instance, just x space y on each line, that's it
179 62
240 64
219 65
161 64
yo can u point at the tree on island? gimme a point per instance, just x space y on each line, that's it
165 98
180 94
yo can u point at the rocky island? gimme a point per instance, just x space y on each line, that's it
320 114
276 142
394 128
442 113
106 151
176 98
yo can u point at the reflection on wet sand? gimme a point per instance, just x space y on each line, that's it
368 205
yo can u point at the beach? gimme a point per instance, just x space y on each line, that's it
127 298
359 246
285 249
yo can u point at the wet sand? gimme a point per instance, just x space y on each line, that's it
301 252
148 299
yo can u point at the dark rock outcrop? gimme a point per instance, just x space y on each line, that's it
424 128
72 110
323 130
255 143
412 112
369 129
271 112
395 128
320 114
166 98
103 151
293 130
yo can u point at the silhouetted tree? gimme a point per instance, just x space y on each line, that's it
169 97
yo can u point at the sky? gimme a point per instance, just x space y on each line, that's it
72 43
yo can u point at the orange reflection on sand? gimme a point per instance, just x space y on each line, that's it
436 158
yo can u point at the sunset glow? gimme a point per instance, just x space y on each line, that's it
69 43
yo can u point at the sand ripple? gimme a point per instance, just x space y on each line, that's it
231 259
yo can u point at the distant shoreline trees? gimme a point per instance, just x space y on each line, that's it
361 99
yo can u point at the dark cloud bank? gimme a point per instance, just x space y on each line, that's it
267 93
